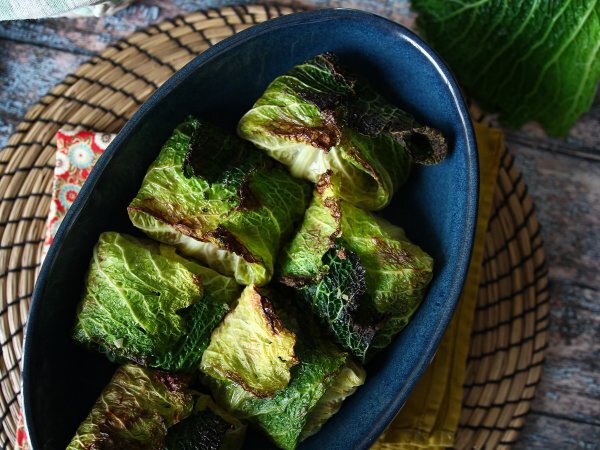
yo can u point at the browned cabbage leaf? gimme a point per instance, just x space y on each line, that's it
134 411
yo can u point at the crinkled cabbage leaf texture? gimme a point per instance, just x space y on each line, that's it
218 200
135 410
357 272
252 347
527 60
321 117
321 377
145 303
208 427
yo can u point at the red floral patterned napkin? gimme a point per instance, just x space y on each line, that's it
76 154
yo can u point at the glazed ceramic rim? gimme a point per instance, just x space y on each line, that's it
325 15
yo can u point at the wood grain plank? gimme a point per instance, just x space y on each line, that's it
28 71
543 432
566 193
534 137
586 131
570 385
80 35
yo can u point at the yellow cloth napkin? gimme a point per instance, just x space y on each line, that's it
429 419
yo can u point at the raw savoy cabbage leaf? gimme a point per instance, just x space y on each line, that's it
134 411
321 378
220 201
528 60
208 428
319 117
144 302
358 273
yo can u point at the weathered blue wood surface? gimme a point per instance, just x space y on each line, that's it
563 176
566 192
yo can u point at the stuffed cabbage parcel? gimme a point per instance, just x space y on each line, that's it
134 411
357 272
208 428
268 364
144 302
320 117
220 201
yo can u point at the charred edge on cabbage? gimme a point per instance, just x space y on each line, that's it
229 242
352 108
262 330
183 226
222 235
269 313
132 411
397 256
247 198
425 145
173 383
237 379
323 137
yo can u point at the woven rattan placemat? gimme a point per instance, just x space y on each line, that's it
511 321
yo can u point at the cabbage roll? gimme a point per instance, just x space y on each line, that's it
134 411
357 272
145 303
321 117
278 371
218 200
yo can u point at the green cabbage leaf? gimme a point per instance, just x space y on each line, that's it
143 302
218 200
315 390
528 60
320 117
358 273
346 382
134 411
252 347
209 427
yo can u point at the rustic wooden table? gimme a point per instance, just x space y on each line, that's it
563 176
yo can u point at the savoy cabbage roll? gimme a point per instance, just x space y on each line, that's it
209 427
357 272
145 303
220 201
134 411
268 364
320 117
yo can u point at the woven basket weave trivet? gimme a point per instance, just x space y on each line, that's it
511 321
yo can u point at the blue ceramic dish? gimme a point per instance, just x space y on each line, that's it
437 208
